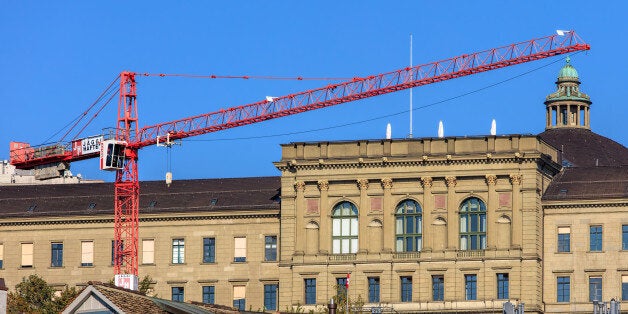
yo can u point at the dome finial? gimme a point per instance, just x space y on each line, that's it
568 59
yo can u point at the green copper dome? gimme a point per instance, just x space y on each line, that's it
568 70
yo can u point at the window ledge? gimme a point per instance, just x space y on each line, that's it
148 264
237 263
177 264
563 252
208 263
81 266
26 267
275 261
56 267
595 251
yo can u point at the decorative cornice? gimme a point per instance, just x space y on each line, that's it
528 158
323 185
363 184
387 183
491 179
516 179
427 182
451 181
142 219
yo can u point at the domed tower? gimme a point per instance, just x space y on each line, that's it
568 126
567 107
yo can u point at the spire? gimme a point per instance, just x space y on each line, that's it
568 107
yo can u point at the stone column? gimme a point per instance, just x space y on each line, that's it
453 220
325 218
428 242
517 217
491 212
363 185
389 216
299 234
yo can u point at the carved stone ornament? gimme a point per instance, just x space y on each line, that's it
451 181
299 186
427 182
387 183
491 179
323 185
516 179
363 184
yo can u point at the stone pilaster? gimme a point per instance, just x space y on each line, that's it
389 216
299 233
325 218
517 217
428 241
491 212
452 216
363 185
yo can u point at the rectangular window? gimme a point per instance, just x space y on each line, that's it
239 254
310 290
373 289
56 258
624 288
595 289
239 297
270 296
148 251
270 248
341 286
502 286
438 287
563 289
564 239
209 250
87 253
406 289
27 255
113 249
1 255
595 238
177 294
471 287
624 237
178 251
209 294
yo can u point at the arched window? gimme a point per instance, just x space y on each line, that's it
472 224
409 227
344 235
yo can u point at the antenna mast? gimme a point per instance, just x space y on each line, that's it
411 73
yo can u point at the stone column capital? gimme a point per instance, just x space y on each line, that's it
451 181
323 185
491 179
363 184
426 181
387 183
299 186
516 179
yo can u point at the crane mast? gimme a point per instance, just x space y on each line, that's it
121 153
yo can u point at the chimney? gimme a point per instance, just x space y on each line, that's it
3 296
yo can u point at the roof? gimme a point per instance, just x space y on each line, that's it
568 71
61 200
574 183
98 296
581 147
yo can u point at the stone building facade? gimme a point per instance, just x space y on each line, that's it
429 225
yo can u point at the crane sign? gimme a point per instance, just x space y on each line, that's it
120 153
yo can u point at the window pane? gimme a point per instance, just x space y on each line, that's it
463 223
335 246
209 250
87 253
399 245
624 237
270 297
345 227
354 245
209 294
310 290
336 228
399 225
419 225
562 289
373 289
595 289
148 251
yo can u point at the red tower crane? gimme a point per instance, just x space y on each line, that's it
121 152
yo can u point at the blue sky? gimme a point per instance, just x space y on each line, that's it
57 57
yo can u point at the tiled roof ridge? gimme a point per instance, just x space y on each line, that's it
114 287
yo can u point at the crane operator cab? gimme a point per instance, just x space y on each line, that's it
112 155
